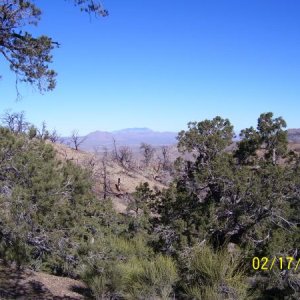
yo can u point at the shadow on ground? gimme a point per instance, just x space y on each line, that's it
19 284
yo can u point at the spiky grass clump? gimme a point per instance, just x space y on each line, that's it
144 279
213 275
129 269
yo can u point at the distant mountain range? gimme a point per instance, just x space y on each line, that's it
294 135
133 137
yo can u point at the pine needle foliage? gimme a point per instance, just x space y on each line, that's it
144 279
213 275
48 211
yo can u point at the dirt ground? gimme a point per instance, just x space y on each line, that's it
29 285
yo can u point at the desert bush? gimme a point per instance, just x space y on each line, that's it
128 269
148 279
48 210
51 219
212 275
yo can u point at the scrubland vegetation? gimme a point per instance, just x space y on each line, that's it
193 239
214 208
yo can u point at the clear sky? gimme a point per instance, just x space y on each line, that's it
163 63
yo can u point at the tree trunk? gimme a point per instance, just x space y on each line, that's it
274 157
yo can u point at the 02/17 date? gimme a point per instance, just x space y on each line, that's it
282 263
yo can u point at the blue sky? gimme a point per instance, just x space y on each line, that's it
161 64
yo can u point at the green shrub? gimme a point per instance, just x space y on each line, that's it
144 279
129 269
48 212
212 275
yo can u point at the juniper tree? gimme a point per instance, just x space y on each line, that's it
269 137
215 196
217 199
206 139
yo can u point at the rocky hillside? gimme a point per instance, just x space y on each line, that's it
120 181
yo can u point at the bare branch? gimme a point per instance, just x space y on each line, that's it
76 139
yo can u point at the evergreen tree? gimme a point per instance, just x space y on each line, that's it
29 56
